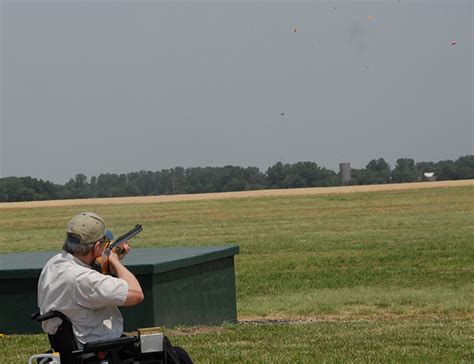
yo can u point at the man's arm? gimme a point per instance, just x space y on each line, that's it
135 293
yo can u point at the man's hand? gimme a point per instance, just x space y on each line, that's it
122 250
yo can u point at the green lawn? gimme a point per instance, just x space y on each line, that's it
427 341
381 276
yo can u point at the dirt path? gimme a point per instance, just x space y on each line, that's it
241 194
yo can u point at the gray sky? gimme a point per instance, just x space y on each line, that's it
120 86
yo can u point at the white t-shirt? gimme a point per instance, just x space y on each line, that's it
87 297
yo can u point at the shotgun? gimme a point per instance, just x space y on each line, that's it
101 264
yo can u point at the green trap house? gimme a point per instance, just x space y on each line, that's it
182 286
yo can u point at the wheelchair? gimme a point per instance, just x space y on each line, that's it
148 349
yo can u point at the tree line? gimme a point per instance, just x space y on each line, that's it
181 180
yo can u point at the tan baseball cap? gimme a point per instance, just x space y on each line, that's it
87 228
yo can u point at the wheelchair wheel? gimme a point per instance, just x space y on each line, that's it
182 355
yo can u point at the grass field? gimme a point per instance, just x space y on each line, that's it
361 277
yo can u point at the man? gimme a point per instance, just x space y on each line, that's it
69 284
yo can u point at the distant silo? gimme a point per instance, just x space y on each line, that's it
345 171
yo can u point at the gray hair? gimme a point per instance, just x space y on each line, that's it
72 246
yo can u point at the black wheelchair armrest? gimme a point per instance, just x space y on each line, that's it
48 315
107 345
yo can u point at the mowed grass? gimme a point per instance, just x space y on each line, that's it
380 276
335 342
